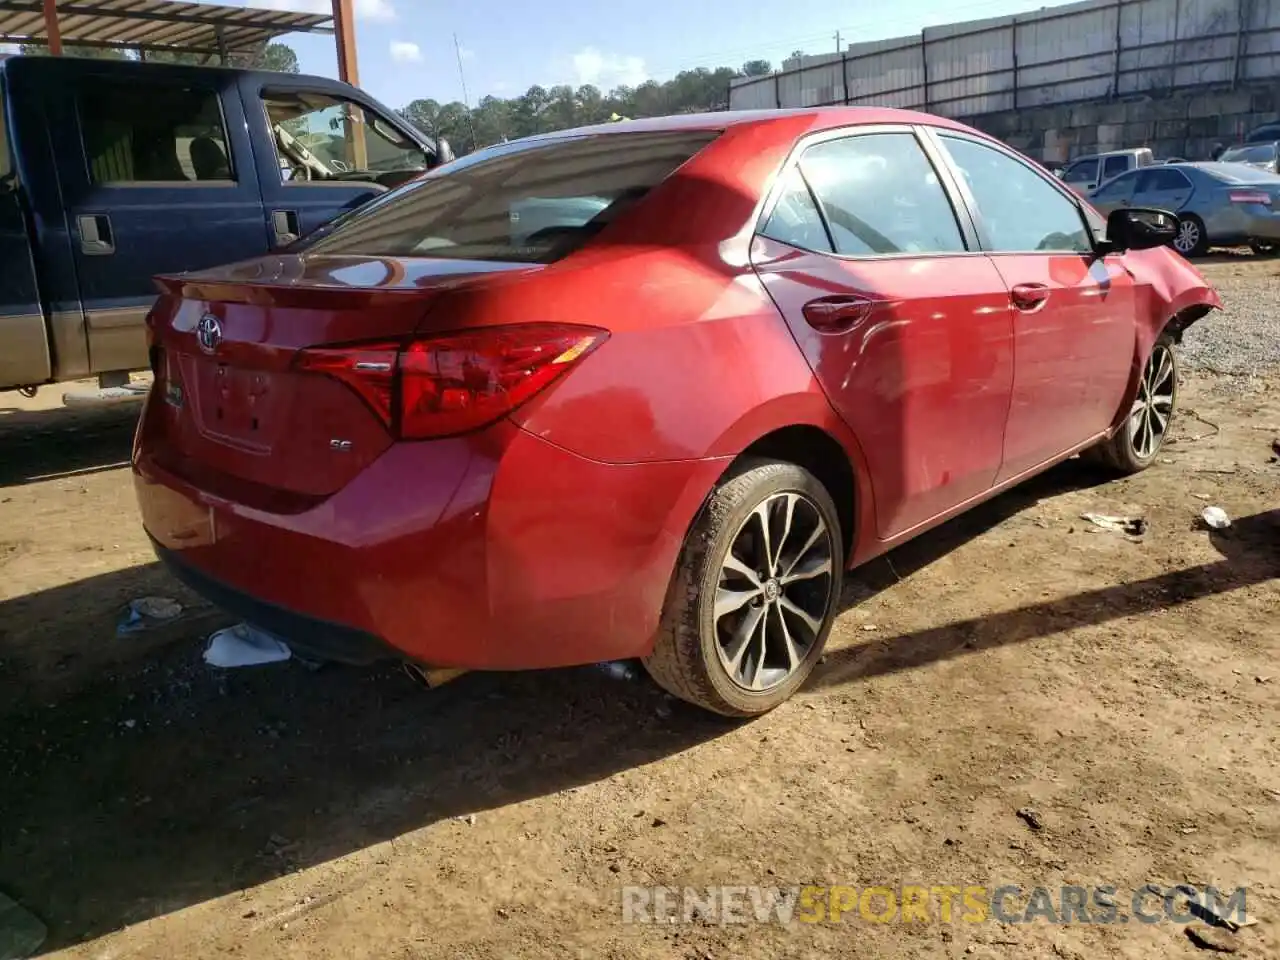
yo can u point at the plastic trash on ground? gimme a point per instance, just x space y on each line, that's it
617 669
21 932
147 612
1131 526
1215 518
244 645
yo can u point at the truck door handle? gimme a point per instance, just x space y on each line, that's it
284 224
1029 296
96 236
836 314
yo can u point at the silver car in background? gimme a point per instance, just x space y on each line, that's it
1263 156
1217 204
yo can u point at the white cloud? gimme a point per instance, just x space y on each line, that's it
402 51
365 9
607 70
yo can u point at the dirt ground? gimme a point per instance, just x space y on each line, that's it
1126 689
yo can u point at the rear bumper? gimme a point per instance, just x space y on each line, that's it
307 635
493 551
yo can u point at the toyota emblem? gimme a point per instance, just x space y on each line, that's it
209 333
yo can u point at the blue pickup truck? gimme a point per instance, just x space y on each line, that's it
114 171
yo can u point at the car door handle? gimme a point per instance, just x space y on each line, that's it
836 314
96 236
1029 296
284 224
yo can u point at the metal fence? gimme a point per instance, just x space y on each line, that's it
1095 50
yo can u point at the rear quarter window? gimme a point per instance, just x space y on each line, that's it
531 202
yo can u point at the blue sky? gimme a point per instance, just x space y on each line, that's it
406 46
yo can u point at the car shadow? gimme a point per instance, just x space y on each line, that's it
1250 550
155 782
160 783
38 445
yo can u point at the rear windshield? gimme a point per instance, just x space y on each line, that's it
527 202
1239 173
1262 153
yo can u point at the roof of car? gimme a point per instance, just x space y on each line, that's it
821 117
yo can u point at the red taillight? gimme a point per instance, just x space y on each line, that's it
439 386
1250 196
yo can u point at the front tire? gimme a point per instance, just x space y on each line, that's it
1191 239
1140 438
754 593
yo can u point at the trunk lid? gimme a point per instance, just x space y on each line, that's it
237 417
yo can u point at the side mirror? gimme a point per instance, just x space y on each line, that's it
1140 228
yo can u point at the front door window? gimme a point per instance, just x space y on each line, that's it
318 137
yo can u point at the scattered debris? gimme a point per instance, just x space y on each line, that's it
21 932
1212 938
659 822
1262 679
1202 496
869 628
244 645
1130 526
469 819
1213 431
1215 518
618 670
1223 471
1031 818
1206 910
663 711
147 612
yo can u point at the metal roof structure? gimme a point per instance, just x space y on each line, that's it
156 24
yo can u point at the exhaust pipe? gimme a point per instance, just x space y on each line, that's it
432 677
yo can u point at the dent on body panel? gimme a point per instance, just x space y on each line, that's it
922 378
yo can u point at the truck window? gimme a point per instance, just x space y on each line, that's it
1086 171
135 133
319 137
1114 166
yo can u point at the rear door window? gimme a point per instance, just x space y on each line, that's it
527 202
1118 189
143 133
880 195
795 218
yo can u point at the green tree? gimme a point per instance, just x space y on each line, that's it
74 50
756 68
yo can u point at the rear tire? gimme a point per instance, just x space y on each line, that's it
1191 239
754 593
1262 248
1141 437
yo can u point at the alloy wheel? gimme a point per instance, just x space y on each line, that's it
1153 407
1188 238
774 591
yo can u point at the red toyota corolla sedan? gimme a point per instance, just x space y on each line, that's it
646 390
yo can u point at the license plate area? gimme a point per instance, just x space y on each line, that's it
237 406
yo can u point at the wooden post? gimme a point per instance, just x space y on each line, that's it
345 34
51 29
